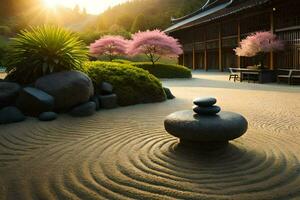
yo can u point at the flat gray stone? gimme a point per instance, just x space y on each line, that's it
108 101
8 93
48 116
84 110
205 101
11 114
192 127
33 102
211 110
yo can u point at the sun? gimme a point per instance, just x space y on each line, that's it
52 4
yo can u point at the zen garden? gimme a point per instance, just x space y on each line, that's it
150 99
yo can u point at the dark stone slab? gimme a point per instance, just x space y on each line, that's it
96 100
84 110
47 116
205 101
192 127
33 102
106 88
211 110
108 101
68 88
8 93
168 93
11 115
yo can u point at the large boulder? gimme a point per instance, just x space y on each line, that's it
33 102
8 93
84 110
68 88
11 115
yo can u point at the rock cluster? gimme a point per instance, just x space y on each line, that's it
71 92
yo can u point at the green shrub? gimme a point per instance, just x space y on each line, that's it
43 50
122 61
132 85
161 70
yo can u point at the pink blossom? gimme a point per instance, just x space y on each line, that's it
154 44
110 46
259 42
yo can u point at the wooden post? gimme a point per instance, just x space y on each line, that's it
205 54
238 40
272 31
220 47
194 61
183 59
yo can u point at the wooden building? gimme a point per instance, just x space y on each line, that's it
210 34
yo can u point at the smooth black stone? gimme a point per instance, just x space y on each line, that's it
168 93
108 101
69 88
212 110
106 88
47 116
8 93
205 101
11 115
96 100
84 110
33 102
192 127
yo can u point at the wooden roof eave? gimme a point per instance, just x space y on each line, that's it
196 20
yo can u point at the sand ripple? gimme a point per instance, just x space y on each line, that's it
126 154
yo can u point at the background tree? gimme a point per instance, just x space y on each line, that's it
138 14
110 46
154 44
258 44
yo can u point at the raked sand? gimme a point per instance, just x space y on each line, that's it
125 153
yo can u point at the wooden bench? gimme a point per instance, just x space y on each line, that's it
233 74
295 76
288 74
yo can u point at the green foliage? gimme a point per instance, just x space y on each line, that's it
43 50
132 85
5 30
3 49
161 70
139 14
89 36
122 61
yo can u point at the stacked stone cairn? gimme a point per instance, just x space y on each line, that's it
205 125
206 106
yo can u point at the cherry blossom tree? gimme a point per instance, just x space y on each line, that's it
110 46
154 44
258 44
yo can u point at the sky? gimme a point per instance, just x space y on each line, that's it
92 6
